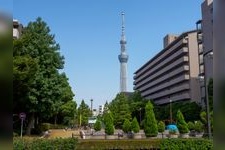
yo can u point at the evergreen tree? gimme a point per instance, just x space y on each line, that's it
135 126
97 125
108 121
191 125
161 126
120 110
83 113
150 124
126 126
181 123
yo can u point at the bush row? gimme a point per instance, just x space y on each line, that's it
148 144
45 144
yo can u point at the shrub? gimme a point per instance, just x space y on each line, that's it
192 144
198 127
97 125
45 126
135 126
150 125
161 126
108 121
36 144
191 126
181 124
126 126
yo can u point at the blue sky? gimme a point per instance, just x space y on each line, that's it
89 31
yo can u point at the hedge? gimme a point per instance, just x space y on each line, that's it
45 144
147 144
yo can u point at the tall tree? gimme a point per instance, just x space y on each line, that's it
83 113
68 111
37 61
150 124
120 110
181 123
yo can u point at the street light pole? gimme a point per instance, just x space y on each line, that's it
140 115
171 111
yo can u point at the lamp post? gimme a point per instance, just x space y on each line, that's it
208 55
140 115
171 115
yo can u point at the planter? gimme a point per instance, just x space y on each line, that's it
137 136
173 135
111 137
198 135
185 135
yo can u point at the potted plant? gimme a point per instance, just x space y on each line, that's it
161 127
199 128
127 128
150 124
173 133
135 128
182 125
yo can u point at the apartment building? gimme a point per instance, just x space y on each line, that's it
205 45
171 75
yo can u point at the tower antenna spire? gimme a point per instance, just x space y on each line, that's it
123 25
123 58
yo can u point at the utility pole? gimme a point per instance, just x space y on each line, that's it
171 114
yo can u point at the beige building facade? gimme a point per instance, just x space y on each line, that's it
171 75
205 45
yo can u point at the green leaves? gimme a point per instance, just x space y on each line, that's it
161 126
120 110
181 123
150 125
135 126
38 86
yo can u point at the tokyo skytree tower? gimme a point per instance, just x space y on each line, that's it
123 58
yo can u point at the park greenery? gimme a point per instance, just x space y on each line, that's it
97 125
135 126
41 90
181 123
150 124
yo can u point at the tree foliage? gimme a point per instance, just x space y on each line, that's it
108 121
135 126
84 112
120 110
161 126
126 126
150 124
181 123
97 125
39 88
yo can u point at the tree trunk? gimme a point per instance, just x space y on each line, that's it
30 124
55 120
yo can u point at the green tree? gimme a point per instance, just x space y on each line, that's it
37 62
126 126
198 126
150 124
97 125
181 123
191 125
135 126
108 121
68 111
84 112
161 126
120 110
137 104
